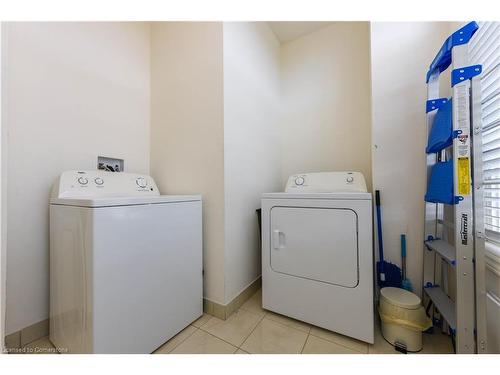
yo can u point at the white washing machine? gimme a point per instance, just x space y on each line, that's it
125 263
317 252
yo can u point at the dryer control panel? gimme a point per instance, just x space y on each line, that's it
98 183
326 182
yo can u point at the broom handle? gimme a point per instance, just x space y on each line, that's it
403 255
379 230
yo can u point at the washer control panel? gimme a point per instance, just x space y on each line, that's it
326 182
76 184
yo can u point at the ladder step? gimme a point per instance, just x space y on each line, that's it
443 304
444 249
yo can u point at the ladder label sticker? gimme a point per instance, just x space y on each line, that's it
463 173
461 123
463 146
463 229
463 108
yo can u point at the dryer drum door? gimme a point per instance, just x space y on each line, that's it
319 244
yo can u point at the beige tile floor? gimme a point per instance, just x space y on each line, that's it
254 330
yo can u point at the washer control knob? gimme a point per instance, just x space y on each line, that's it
299 181
83 180
141 182
99 181
349 179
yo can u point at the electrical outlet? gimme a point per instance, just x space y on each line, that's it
109 164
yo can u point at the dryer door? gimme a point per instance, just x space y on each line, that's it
319 244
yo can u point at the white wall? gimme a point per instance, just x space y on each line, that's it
73 91
325 77
400 56
187 135
251 145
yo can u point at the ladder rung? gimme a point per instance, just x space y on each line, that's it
443 304
444 249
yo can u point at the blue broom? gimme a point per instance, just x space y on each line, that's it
388 274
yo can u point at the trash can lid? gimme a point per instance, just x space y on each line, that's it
401 297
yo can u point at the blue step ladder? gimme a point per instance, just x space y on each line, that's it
453 202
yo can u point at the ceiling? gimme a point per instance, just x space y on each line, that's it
290 30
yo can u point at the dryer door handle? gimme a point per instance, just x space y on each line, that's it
278 239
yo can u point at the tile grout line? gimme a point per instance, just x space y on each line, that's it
217 337
305 342
254 328
251 331
237 346
188 336
281 324
227 342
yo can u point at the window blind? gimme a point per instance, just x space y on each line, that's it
484 49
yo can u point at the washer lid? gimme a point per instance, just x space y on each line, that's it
401 298
123 201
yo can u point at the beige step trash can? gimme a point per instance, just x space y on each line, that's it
403 319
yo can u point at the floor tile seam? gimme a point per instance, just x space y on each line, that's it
220 338
188 336
305 342
252 331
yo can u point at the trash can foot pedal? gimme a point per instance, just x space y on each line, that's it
399 347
